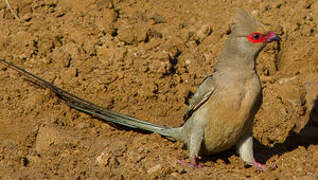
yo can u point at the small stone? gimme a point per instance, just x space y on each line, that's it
154 169
103 158
204 31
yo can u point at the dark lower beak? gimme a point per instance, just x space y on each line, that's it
270 36
275 38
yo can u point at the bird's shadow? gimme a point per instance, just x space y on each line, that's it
307 136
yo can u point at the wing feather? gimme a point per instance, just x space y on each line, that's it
202 94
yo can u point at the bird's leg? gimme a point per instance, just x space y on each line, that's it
245 150
260 166
193 162
194 146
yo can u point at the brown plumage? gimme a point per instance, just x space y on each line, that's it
221 112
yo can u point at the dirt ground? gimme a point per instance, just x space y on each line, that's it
145 58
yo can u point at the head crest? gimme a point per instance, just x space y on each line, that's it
245 24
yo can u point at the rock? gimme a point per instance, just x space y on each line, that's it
293 98
312 100
126 34
289 92
311 128
49 136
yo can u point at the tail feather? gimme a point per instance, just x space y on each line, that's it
95 110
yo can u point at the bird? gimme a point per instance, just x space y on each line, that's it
220 114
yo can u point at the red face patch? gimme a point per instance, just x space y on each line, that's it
256 37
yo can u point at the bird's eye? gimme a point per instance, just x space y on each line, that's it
256 36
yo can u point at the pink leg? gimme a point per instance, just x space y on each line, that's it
260 166
193 164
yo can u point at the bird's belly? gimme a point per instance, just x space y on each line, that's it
229 123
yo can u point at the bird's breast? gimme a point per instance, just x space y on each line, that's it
230 112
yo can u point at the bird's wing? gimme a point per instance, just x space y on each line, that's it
202 94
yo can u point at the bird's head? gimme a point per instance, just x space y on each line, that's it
247 38
250 33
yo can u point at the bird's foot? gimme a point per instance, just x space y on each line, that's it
193 164
260 166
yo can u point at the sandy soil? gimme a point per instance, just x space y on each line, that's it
145 58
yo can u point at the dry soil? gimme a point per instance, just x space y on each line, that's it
145 58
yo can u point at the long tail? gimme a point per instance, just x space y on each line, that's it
95 110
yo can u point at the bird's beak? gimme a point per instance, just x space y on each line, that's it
270 36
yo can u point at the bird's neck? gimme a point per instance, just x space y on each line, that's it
235 58
232 63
